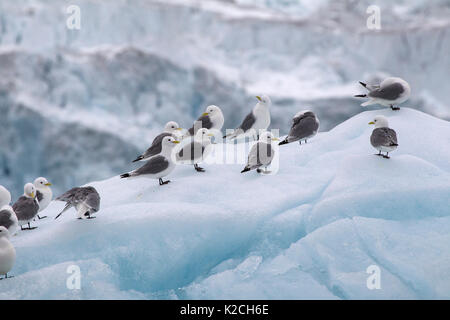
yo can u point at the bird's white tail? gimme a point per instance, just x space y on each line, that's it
368 103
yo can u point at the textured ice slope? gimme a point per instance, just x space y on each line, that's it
309 231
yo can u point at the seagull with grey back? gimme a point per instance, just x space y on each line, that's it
383 138
170 130
44 194
7 253
27 206
157 166
304 126
257 120
196 150
212 119
390 93
261 154
86 201
8 219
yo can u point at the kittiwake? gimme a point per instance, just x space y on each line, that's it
383 138
44 194
5 196
86 201
27 206
7 253
197 150
390 93
211 119
8 219
305 125
261 154
157 166
257 120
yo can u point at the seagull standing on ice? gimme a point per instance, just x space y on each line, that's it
27 206
5 196
391 92
7 253
197 150
8 219
383 138
44 193
157 166
170 130
258 119
85 199
261 154
304 126
212 119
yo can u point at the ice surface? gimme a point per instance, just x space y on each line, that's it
309 231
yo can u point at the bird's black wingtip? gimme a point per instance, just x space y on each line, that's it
138 159
283 142
360 95
363 84
245 170
125 175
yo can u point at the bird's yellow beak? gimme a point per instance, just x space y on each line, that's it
210 135
371 122
176 141
275 139
32 195
259 98
48 184
179 129
205 114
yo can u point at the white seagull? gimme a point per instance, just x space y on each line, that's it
305 125
261 154
8 219
27 206
212 119
383 138
44 193
7 253
197 150
85 199
390 93
5 196
157 166
257 120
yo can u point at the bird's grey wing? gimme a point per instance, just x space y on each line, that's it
156 146
25 208
303 127
389 92
5 219
153 166
205 122
191 151
248 122
39 195
383 137
68 195
265 153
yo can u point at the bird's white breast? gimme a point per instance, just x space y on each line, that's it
7 256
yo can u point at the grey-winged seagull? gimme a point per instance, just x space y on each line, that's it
383 138
157 166
305 125
27 206
261 154
196 150
44 194
212 119
5 196
257 120
390 93
86 201
7 253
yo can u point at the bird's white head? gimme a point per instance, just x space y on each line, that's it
212 111
171 127
264 100
169 142
29 190
380 122
267 137
203 134
5 196
4 233
41 183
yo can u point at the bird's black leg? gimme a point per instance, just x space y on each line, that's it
378 154
161 182
29 227
258 170
386 156
306 140
395 108
198 169
41 217
89 215
300 141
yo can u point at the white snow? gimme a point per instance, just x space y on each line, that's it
308 231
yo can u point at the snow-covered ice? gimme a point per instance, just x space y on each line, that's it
310 231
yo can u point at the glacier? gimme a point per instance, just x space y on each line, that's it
115 82
310 231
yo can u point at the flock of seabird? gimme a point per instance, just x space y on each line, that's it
166 152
